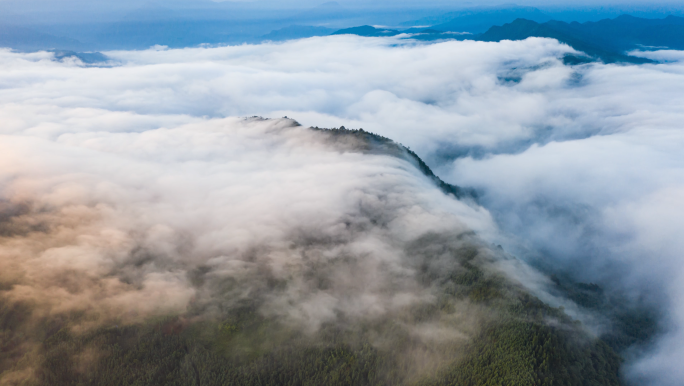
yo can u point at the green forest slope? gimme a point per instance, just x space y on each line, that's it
480 328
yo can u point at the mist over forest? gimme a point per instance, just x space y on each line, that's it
211 193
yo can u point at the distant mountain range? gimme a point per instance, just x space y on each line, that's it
297 32
597 47
368 31
606 40
480 19
28 39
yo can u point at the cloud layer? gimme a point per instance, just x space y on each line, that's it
581 167
128 215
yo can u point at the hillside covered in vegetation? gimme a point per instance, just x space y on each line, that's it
464 321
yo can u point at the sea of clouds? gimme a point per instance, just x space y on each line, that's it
579 168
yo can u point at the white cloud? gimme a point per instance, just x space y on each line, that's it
581 162
129 215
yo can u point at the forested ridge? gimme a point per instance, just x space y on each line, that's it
522 342
480 328
368 142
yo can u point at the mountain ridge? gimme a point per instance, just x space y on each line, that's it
476 324
479 19
606 40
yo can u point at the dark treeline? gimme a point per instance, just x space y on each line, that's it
368 142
